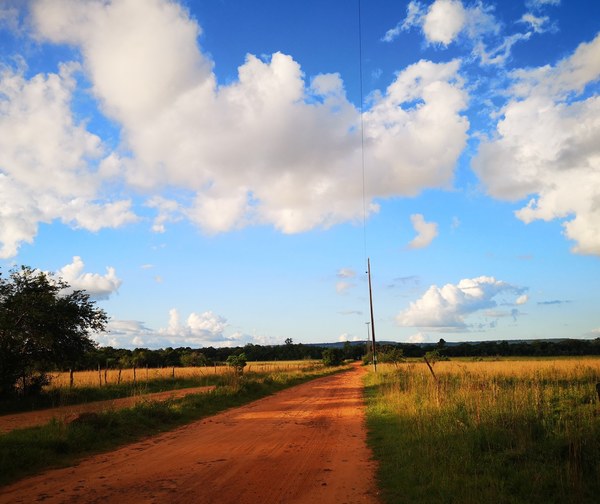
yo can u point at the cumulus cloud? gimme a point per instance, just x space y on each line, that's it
444 21
295 137
448 307
441 22
96 285
418 338
199 329
48 161
426 231
428 132
549 136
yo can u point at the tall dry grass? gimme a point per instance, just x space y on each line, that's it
504 431
102 377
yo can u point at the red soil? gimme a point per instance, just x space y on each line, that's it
305 444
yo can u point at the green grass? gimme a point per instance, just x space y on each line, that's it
477 438
27 451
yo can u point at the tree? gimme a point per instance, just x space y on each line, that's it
237 362
391 355
333 357
193 358
43 325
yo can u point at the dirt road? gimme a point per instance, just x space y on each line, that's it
66 413
303 445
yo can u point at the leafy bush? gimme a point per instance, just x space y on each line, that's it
333 357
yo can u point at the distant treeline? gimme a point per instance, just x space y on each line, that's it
109 357
530 348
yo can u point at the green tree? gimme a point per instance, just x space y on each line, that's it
237 362
193 358
43 325
333 357
391 355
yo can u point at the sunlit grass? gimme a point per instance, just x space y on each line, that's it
101 377
506 431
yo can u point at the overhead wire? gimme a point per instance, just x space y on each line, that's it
362 132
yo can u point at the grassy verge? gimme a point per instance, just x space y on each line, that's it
27 451
476 437
77 395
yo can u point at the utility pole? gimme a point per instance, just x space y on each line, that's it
372 319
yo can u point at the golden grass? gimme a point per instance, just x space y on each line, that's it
113 376
490 431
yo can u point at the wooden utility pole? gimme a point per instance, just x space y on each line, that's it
372 319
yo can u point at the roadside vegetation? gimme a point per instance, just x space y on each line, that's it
66 389
490 431
27 451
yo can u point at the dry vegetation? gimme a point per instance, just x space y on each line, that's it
495 431
117 376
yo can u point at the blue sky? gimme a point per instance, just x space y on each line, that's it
197 166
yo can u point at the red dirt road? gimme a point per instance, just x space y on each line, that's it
67 413
305 444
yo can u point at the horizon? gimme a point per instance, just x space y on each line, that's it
217 173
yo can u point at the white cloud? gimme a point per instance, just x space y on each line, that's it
415 12
444 21
499 54
198 330
346 273
426 231
449 306
298 143
448 21
538 4
428 135
549 136
341 286
539 24
418 338
521 300
9 18
96 285
47 161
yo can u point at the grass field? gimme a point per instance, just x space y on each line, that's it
108 384
61 380
502 431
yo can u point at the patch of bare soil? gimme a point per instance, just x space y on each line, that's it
305 444
69 413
